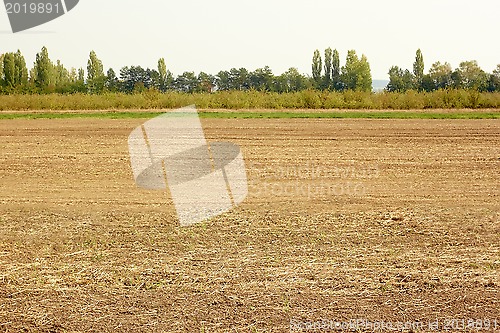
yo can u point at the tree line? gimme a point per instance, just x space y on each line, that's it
47 76
468 76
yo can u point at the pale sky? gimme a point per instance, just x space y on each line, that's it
209 36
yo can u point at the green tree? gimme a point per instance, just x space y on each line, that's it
418 69
296 81
239 79
9 70
427 83
281 84
222 80
81 74
291 81
131 78
43 70
166 77
162 70
73 75
2 56
356 73
21 72
206 82
494 80
262 79
316 68
32 76
400 80
365 82
327 79
336 82
111 83
95 74
62 78
76 81
137 79
470 76
440 75
153 81
187 82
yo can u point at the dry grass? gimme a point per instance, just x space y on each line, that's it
307 99
83 250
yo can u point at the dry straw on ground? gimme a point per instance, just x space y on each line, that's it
83 250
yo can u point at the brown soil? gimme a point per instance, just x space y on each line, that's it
383 220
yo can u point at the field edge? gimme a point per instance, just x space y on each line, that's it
262 114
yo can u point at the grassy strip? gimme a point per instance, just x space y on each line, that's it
73 115
260 115
351 115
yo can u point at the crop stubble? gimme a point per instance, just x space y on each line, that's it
390 220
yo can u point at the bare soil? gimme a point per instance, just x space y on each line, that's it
382 220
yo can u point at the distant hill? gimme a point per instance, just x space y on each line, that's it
379 85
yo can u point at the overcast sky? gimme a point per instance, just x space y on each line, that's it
195 35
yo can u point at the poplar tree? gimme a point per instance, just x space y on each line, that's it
9 69
327 81
336 83
418 69
95 74
1 69
62 77
316 68
162 70
81 75
44 70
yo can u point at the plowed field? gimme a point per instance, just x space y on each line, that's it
374 220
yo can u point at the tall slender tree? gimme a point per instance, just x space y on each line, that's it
327 79
21 71
316 68
2 56
62 78
336 83
44 70
364 82
95 74
418 69
165 75
81 75
9 70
